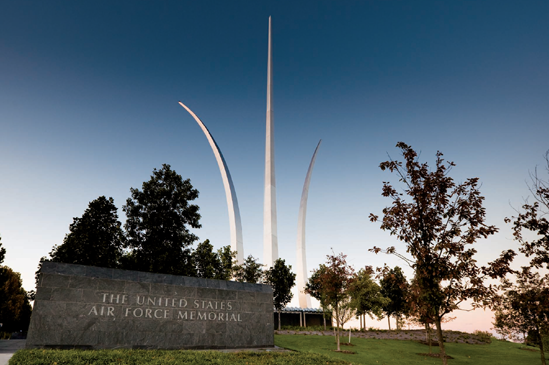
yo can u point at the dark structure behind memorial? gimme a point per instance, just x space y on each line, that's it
90 307
302 317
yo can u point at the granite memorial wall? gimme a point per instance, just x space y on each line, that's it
90 307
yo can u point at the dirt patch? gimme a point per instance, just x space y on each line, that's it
345 352
346 344
435 355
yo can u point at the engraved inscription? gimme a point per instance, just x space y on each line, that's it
177 308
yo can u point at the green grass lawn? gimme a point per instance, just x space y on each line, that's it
310 350
396 352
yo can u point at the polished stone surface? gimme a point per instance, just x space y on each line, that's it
90 308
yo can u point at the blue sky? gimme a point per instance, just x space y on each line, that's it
89 92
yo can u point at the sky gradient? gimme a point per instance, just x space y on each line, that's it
89 95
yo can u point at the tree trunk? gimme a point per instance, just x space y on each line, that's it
542 350
364 321
389 321
324 318
279 320
428 337
349 335
441 342
337 325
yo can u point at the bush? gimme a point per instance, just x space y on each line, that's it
161 357
484 336
308 328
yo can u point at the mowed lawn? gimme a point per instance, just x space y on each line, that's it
398 352
309 350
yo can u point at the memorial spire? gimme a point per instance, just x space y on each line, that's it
270 240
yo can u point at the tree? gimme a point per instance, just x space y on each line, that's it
2 252
533 219
525 308
525 303
281 278
213 265
95 239
227 259
438 224
394 287
314 288
420 311
157 224
346 312
366 296
249 272
335 280
15 309
205 260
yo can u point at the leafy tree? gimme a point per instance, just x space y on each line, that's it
95 239
213 265
366 296
281 278
249 272
525 308
157 221
533 219
227 262
420 311
525 303
314 288
205 260
394 287
438 224
335 280
15 309
2 252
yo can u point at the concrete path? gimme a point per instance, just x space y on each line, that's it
8 348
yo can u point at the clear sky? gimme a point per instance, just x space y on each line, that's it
89 92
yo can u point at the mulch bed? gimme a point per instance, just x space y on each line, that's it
435 355
345 352
346 344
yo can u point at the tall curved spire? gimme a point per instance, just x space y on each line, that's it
304 299
270 240
230 193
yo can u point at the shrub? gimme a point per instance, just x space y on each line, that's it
484 336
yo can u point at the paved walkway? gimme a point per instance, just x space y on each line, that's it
8 348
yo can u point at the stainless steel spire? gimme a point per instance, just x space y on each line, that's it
230 193
301 267
270 240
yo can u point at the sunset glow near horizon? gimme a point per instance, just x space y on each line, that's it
89 97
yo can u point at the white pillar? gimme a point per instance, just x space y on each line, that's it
270 240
